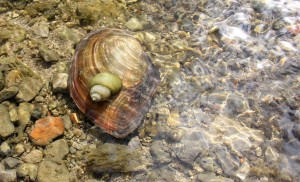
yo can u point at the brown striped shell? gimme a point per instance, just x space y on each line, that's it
118 52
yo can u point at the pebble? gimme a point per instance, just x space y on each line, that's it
11 162
13 113
19 149
28 89
5 148
7 128
134 24
60 82
57 151
26 169
46 129
8 93
174 119
159 152
49 171
211 177
67 34
207 163
33 157
8 175
41 29
271 155
243 171
48 55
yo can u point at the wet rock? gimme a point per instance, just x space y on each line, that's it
159 151
134 24
271 155
60 82
7 128
33 157
13 78
67 34
190 146
8 93
51 172
48 55
28 89
5 149
11 162
211 177
116 158
208 164
165 173
8 175
243 171
57 151
46 129
228 164
41 29
26 169
19 149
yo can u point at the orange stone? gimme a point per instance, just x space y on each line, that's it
46 129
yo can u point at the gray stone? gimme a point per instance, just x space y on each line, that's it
67 34
60 82
211 177
7 128
28 89
57 151
33 157
8 175
134 24
271 155
208 164
48 55
26 169
191 145
159 151
49 171
228 164
11 162
5 149
8 93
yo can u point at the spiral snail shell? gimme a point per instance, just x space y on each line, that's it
111 63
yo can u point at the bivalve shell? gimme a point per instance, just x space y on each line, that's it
115 52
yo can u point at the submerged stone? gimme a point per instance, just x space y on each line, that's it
7 128
29 88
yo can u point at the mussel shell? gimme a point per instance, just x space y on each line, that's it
118 52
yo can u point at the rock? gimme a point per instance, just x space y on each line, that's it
208 164
243 171
111 158
51 172
13 113
5 149
164 173
33 157
28 89
2 81
41 29
60 82
190 146
159 151
211 177
26 169
271 155
19 149
46 129
8 93
67 34
11 162
57 151
173 119
7 128
8 175
13 78
228 164
134 24
48 55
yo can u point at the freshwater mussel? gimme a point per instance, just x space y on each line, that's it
113 63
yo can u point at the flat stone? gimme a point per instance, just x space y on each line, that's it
26 169
7 128
57 151
28 89
8 93
49 171
41 29
11 162
46 129
48 55
33 157
60 82
134 24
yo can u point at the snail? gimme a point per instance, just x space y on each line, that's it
112 80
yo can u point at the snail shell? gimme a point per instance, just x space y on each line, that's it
118 52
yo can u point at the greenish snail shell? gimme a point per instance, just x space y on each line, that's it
103 85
